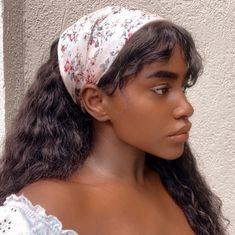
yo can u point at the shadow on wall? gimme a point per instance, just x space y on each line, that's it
13 48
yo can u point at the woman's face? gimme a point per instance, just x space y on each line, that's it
152 107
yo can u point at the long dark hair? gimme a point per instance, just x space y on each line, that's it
51 136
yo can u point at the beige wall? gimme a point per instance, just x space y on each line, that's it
31 25
14 58
2 89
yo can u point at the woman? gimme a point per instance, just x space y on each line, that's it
100 142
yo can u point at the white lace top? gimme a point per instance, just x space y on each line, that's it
19 217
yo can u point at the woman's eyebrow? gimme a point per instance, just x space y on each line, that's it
163 74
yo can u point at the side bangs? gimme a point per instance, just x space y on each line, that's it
153 42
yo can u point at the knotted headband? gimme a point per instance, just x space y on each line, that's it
87 49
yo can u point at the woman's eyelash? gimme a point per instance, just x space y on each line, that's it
161 90
184 89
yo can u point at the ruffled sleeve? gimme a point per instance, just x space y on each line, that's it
19 217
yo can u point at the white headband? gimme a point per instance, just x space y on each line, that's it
87 49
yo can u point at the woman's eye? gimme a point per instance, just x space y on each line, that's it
161 90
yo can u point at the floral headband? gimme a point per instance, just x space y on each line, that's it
87 49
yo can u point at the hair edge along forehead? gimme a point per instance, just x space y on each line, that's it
153 42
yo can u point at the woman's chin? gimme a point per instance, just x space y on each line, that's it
172 155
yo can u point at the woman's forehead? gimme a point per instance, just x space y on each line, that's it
175 61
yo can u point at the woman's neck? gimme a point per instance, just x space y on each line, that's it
111 159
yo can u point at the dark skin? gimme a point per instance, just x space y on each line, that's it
114 192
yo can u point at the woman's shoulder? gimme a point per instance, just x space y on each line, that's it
49 194
40 206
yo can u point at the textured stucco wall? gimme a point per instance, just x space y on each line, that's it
31 25
13 56
2 89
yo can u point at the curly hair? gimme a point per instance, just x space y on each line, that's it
51 136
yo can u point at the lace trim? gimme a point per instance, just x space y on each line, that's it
52 220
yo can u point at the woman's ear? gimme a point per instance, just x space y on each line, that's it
92 99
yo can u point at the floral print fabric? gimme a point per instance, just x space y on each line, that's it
87 49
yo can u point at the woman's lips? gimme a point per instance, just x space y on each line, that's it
180 138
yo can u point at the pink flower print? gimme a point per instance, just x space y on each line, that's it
92 60
89 38
72 36
63 48
80 77
67 67
78 58
90 78
92 41
128 36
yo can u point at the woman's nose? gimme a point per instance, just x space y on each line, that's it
184 108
